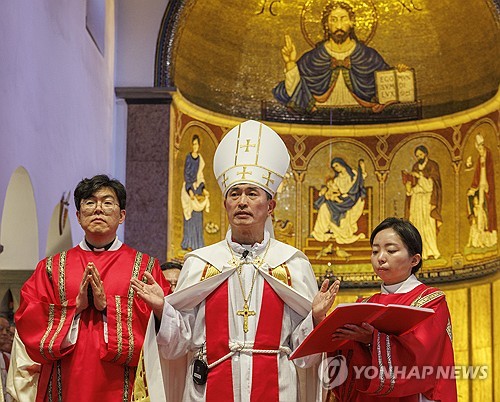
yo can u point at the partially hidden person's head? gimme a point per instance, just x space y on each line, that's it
249 164
5 337
100 203
396 250
171 271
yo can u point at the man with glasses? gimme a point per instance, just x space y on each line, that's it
78 316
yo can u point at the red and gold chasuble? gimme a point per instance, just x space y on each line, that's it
265 366
90 369
403 360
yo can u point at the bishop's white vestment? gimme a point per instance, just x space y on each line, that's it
205 318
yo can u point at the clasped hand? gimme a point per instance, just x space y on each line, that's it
91 277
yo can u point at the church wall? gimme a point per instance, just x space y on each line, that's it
58 101
147 168
137 28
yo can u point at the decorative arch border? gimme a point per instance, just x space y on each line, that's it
166 44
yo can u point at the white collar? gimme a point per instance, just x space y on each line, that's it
406 286
115 246
254 249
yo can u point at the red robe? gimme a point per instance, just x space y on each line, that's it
427 345
90 369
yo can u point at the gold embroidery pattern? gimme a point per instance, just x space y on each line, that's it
48 266
62 298
150 265
449 330
126 383
119 330
140 387
64 312
62 277
209 271
423 300
130 301
59 381
49 328
281 273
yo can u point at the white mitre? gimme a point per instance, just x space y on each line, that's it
251 153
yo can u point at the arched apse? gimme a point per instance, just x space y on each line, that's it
19 225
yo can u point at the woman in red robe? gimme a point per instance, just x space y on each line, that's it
413 367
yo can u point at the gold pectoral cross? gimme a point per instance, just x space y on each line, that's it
246 312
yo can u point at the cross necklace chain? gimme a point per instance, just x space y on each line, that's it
246 312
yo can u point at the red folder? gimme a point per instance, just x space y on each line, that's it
390 319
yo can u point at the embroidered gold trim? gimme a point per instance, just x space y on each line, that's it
282 273
119 329
253 165
48 266
258 144
449 330
59 381
50 386
237 146
209 271
126 383
130 302
131 341
62 277
64 313
151 263
421 301
47 331
62 299
140 390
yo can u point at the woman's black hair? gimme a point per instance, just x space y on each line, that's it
407 232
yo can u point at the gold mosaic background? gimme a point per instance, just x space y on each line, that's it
228 59
386 151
